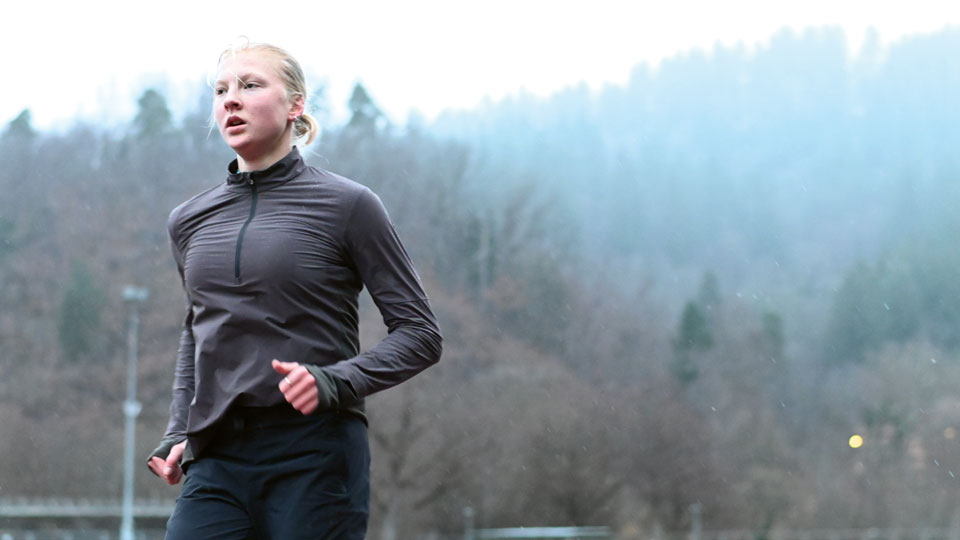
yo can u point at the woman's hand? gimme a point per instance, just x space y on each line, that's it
169 469
298 386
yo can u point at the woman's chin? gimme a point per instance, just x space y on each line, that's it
242 145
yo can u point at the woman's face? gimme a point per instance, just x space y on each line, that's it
250 105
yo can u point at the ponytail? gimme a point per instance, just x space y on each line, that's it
306 126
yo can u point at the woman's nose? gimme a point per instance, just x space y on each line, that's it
231 100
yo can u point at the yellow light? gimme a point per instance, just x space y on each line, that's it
856 441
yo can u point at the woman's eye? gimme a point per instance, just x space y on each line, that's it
250 85
220 91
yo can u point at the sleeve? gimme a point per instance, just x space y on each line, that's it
183 378
413 342
183 381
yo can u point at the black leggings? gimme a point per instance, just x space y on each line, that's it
278 475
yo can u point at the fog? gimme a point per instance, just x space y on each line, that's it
689 289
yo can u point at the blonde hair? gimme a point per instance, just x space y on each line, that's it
305 126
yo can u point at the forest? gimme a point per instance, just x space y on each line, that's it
692 288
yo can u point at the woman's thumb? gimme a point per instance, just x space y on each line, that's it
283 367
173 458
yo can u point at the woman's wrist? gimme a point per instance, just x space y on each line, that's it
332 392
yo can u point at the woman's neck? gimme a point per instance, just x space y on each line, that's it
260 163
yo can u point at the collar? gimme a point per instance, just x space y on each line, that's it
275 175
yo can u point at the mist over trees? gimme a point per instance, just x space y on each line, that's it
693 288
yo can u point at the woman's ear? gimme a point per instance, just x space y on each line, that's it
296 109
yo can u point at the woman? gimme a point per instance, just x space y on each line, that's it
267 420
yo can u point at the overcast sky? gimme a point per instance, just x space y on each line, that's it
92 59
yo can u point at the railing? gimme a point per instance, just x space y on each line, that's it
72 508
24 510
540 533
902 533
78 534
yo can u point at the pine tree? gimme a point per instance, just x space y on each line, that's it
153 116
80 313
693 336
364 113
21 127
772 339
694 333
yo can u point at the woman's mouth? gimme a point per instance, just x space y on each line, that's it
233 124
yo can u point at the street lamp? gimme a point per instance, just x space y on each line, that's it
468 532
132 297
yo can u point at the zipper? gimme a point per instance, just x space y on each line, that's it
253 210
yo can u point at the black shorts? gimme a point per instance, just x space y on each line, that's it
274 474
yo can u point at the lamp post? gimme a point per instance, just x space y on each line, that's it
468 532
696 521
132 297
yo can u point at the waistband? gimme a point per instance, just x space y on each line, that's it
239 419
239 422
